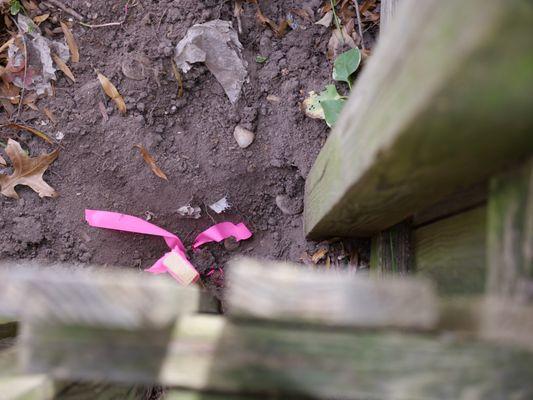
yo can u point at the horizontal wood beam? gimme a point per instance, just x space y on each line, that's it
288 292
111 298
210 353
426 116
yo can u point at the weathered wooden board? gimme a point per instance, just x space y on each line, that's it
391 251
388 10
503 320
290 292
16 386
98 297
26 387
426 115
175 394
452 252
510 234
208 352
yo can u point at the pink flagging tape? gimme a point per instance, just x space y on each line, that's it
221 231
174 262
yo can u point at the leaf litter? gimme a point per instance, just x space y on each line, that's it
216 44
31 58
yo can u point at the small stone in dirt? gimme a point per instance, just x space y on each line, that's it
289 206
140 107
231 244
243 136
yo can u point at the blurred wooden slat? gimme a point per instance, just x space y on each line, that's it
210 353
26 387
388 10
510 234
275 291
97 297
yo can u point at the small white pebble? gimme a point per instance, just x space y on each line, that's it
243 136
60 135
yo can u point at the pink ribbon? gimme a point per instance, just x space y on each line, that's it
129 223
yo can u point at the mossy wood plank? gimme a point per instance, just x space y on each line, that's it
99 297
452 252
289 292
210 353
391 250
444 102
510 234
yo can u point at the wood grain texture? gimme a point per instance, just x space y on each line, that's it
391 251
426 116
210 353
510 234
388 10
452 252
111 298
287 292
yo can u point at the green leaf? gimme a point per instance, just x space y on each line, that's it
260 59
15 7
346 64
332 110
312 104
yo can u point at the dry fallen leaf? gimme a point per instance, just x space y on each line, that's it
71 43
49 115
63 67
112 92
39 19
2 161
151 162
27 171
29 129
319 255
177 75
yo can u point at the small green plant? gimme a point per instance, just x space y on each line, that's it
328 104
260 59
15 7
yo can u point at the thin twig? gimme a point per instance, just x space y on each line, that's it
101 25
359 23
117 23
65 8
337 21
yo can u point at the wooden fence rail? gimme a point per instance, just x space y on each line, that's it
273 345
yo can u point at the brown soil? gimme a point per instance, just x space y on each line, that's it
190 137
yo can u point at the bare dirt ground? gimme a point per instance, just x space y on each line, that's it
191 137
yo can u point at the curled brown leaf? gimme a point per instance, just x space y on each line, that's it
112 92
71 43
63 67
151 162
31 130
177 75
